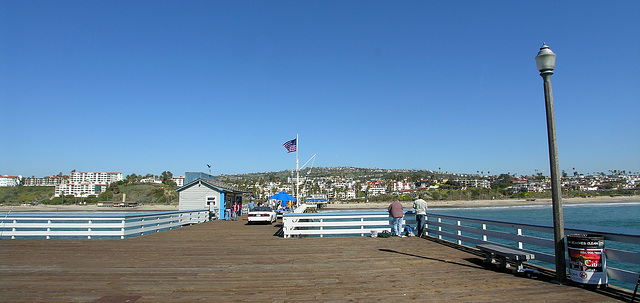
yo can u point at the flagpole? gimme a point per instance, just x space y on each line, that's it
297 170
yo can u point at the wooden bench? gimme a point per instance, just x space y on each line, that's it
502 253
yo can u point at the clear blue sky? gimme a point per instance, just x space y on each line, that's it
148 86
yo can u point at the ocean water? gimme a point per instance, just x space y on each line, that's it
590 215
624 216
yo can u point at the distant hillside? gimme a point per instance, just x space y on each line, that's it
141 193
24 194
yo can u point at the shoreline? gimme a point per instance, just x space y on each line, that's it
93 207
333 206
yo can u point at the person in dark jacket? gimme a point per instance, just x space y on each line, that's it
396 212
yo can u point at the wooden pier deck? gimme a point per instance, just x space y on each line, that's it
231 261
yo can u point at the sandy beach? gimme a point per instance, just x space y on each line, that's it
486 203
337 205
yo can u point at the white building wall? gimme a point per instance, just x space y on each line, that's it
195 197
9 181
474 183
79 189
86 177
351 194
151 180
179 181
46 181
83 184
376 191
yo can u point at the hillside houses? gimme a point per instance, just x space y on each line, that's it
599 182
347 188
342 183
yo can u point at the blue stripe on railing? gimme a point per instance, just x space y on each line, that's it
92 214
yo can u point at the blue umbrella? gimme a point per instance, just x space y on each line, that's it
284 197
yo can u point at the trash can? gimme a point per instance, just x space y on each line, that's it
587 260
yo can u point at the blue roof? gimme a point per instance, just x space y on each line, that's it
192 176
213 185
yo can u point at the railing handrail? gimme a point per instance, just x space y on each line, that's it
82 214
321 214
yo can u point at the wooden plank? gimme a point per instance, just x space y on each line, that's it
232 261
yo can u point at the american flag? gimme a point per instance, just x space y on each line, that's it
291 146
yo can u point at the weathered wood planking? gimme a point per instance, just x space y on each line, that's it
231 261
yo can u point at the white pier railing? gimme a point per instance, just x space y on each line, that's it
337 224
94 225
623 265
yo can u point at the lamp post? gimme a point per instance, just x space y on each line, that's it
546 62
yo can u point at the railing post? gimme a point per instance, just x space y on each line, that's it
520 234
484 236
426 225
459 232
122 229
284 227
440 228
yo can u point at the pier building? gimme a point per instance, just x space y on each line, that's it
202 192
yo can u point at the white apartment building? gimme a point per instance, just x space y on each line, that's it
179 181
474 183
331 194
351 194
80 189
98 178
527 187
84 184
376 191
151 180
340 184
301 180
46 181
401 185
9 181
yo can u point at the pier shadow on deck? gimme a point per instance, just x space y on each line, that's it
231 261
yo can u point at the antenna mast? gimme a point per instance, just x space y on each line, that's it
297 170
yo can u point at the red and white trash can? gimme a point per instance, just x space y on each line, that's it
587 260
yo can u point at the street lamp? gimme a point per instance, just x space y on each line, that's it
546 62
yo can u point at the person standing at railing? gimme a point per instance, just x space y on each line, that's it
396 212
420 206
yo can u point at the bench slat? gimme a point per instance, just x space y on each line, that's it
511 253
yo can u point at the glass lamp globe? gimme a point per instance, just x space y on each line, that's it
546 59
